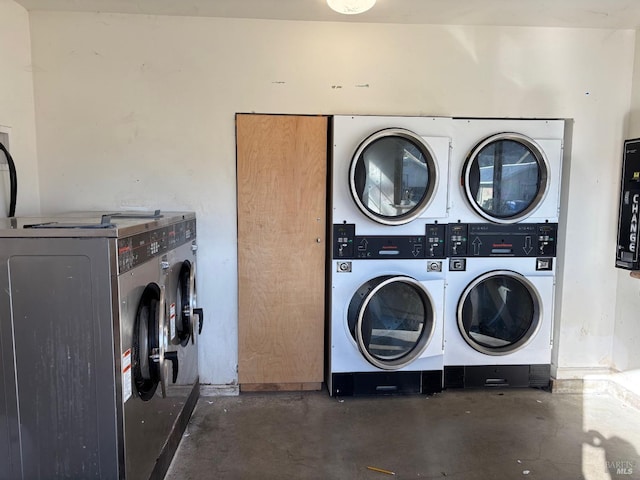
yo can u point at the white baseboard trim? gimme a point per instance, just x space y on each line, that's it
578 373
219 390
624 386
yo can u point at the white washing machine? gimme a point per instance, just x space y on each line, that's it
390 171
499 305
506 170
386 316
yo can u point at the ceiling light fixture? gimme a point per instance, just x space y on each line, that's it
351 7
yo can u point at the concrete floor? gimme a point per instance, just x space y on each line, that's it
458 434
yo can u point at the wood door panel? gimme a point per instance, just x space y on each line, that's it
281 172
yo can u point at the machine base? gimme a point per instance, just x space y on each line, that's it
512 376
166 456
386 383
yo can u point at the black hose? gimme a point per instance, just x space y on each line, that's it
13 179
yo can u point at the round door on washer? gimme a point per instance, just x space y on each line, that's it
393 176
146 342
499 312
149 343
185 300
506 177
392 319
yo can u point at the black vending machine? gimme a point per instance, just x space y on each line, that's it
629 210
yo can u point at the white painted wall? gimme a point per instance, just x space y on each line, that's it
17 108
136 110
626 354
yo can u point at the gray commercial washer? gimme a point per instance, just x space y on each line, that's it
98 344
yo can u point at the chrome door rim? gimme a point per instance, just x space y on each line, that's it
146 387
163 338
529 335
192 301
432 167
425 337
543 165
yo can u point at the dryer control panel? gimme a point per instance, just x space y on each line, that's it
493 240
348 245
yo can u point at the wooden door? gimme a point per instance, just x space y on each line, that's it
282 178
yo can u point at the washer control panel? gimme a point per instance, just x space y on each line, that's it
492 240
138 249
346 244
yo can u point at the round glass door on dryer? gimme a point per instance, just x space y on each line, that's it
500 312
506 171
390 172
392 320
386 316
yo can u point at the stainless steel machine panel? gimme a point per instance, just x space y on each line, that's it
61 398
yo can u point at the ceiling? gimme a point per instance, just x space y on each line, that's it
614 14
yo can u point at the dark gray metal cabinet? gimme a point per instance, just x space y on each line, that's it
58 407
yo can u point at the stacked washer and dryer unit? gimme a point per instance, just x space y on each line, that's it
98 343
442 269
389 198
501 243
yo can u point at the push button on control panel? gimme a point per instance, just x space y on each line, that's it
547 234
457 234
544 264
457 264
435 240
343 238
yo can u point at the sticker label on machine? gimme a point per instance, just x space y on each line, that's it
172 320
126 376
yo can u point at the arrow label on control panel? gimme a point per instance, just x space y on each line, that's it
527 245
476 245
363 245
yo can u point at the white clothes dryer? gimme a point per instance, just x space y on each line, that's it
499 305
506 170
386 316
390 172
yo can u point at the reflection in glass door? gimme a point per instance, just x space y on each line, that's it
393 176
392 320
506 177
499 312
